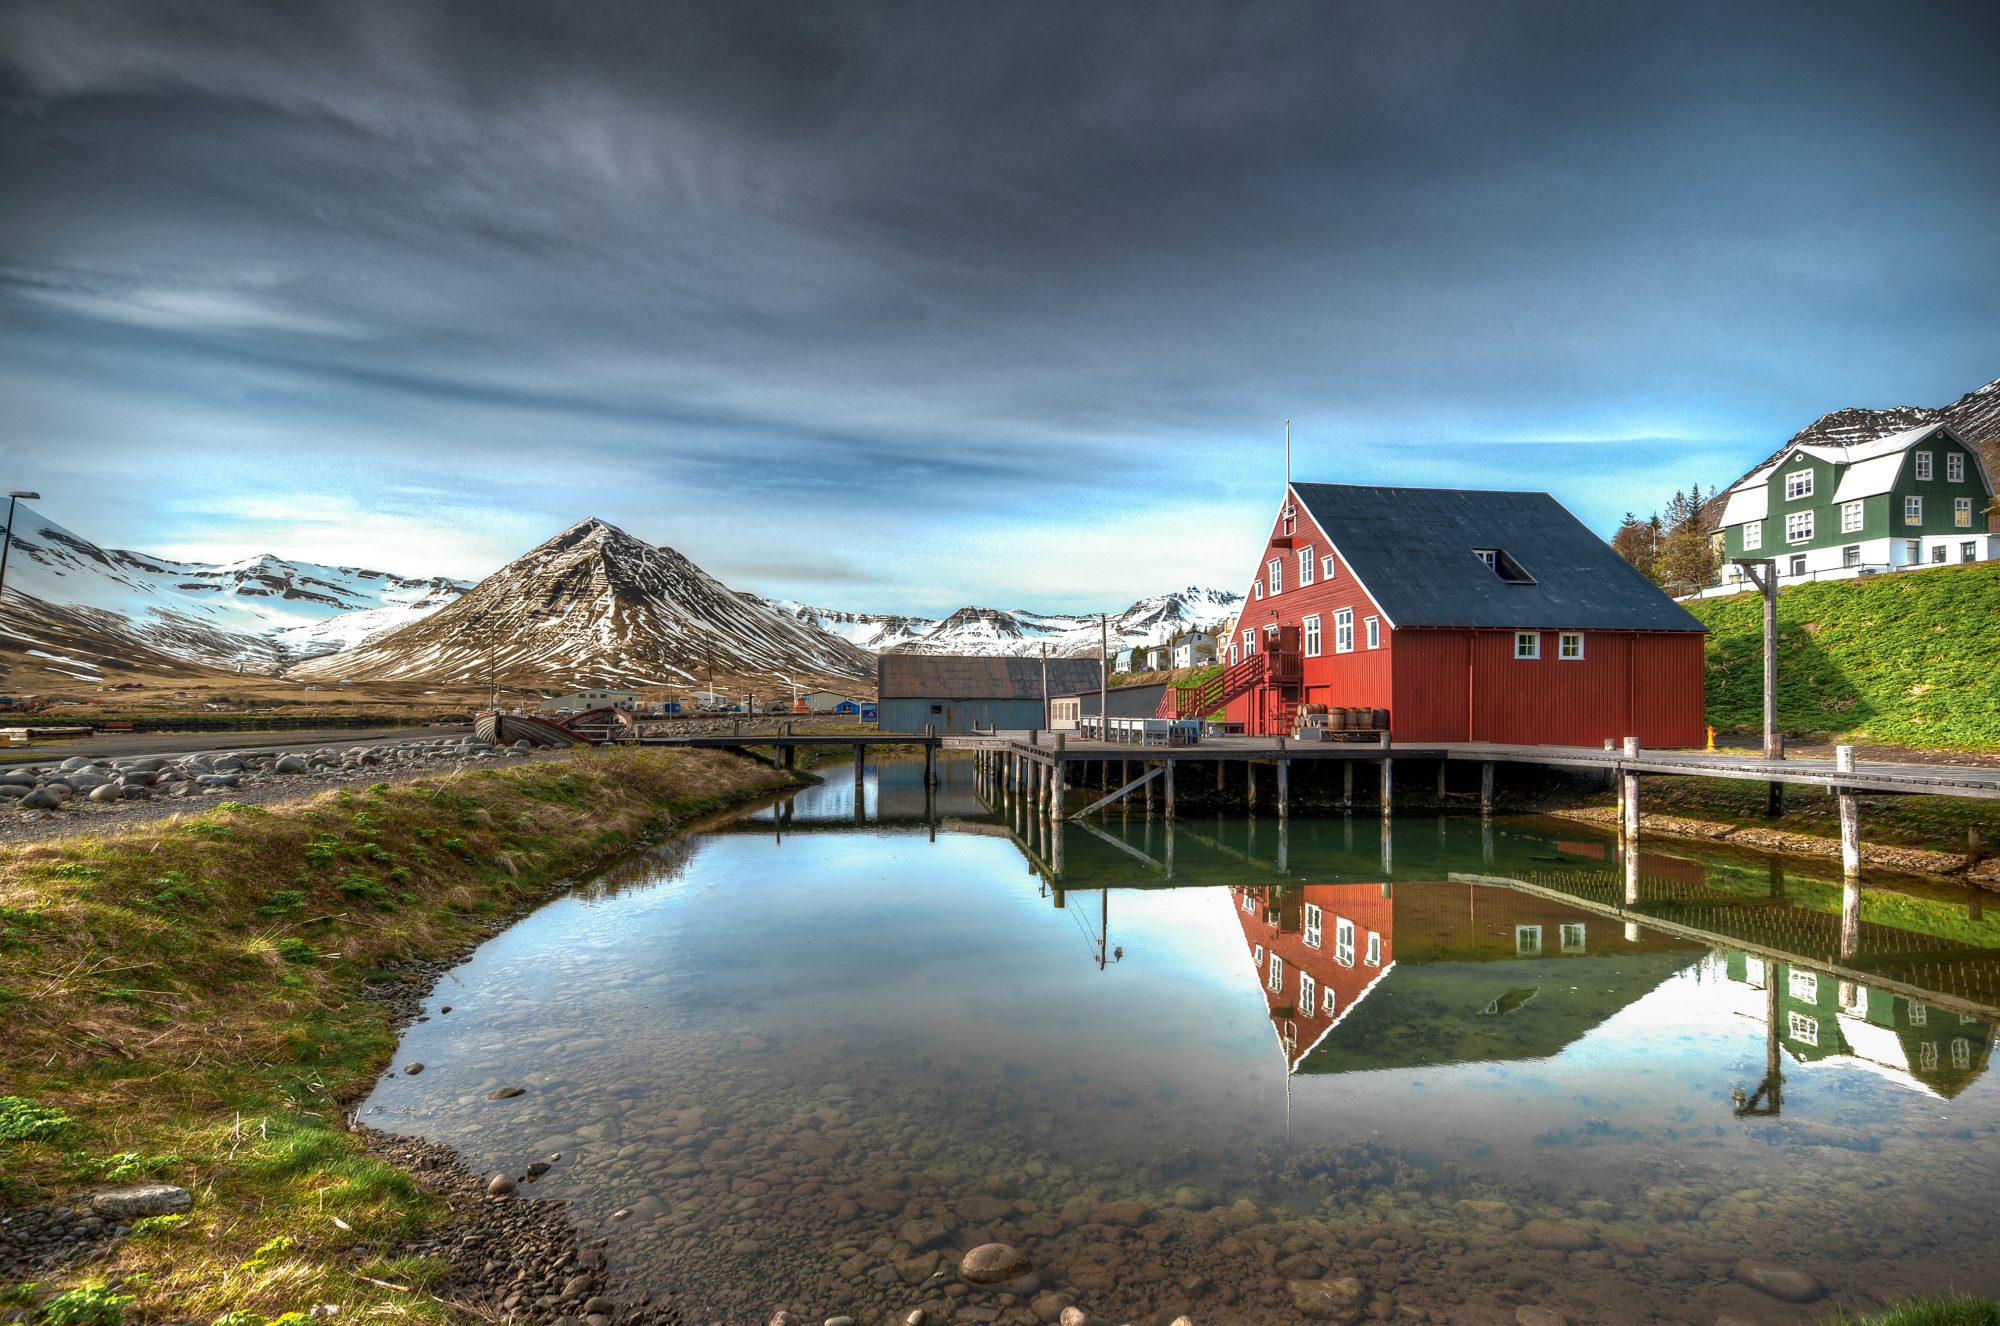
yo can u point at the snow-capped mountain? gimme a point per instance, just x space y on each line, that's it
976 630
1975 415
260 611
595 606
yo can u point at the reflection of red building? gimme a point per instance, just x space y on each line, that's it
1321 950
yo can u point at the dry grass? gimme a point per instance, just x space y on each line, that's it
189 994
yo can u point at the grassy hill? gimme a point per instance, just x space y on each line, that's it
1909 659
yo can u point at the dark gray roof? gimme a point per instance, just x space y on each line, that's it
995 677
1413 551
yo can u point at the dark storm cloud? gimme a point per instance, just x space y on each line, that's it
891 268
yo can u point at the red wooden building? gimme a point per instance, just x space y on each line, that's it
1467 616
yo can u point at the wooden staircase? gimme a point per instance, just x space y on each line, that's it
1205 697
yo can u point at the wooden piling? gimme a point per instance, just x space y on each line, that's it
1347 784
1442 766
1388 766
1250 784
1850 815
1167 797
1486 788
1284 793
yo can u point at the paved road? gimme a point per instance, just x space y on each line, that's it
118 744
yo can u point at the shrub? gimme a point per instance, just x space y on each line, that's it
96 1305
24 1120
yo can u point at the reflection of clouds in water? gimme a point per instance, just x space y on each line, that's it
680 1043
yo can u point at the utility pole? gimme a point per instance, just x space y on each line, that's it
1048 715
1763 573
7 539
1104 676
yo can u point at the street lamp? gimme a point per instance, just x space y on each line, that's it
7 539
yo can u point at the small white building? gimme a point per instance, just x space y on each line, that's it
829 702
575 702
1193 649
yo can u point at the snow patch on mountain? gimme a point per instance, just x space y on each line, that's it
976 630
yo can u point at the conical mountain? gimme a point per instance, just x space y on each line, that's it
595 606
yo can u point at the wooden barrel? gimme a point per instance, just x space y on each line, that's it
1380 719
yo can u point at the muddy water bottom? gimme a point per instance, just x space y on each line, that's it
811 1061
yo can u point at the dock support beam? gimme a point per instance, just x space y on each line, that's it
1486 790
930 766
1388 786
1250 782
1167 801
1850 816
1284 793
1347 784
1057 785
1442 766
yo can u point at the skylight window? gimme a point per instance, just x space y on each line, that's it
1500 564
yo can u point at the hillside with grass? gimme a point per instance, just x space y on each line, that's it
1909 659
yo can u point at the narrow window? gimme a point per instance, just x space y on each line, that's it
1374 955
1913 550
1570 935
1798 564
1343 941
1527 644
1249 643
1372 627
1954 467
1799 483
1799 527
1570 645
1326 567
1961 512
1968 551
1312 636
1315 919
1753 535
1276 980
1276 568
1343 631
1926 1055
1490 556
1851 555
1257 588
1308 994
1923 465
1305 566
1920 1015
1528 941
1913 511
1326 1001
1290 520
1257 953
1961 1053
1850 517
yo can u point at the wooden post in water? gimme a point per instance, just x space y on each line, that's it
1850 916
1850 816
1284 795
1167 799
1486 791
1388 787
1058 784
1442 766
1250 784
1628 824
1347 784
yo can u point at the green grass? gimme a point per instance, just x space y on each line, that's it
1906 659
183 1003
1929 1312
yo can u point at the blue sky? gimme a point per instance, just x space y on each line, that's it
905 306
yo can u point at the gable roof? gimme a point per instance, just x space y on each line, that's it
1872 467
1412 550
978 677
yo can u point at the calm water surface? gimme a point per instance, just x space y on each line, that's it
805 1058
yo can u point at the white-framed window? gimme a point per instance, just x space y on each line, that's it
1528 940
1851 555
1371 631
1257 587
1954 467
1798 564
1913 511
1305 566
1570 936
1799 483
1968 551
1275 570
1527 644
1311 632
1315 919
1372 955
1961 512
1569 645
1275 979
1803 1029
1803 986
1326 1001
1490 556
1250 642
1920 1014
1927 1056
1850 517
1343 941
1343 631
1961 1053
1753 535
1288 520
1923 464
1257 954
1233 660
1798 527
1308 994
1327 566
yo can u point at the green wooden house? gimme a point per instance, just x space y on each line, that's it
1827 510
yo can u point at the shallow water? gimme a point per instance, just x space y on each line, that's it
769 1053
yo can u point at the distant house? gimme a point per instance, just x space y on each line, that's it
829 702
1467 615
576 702
1192 649
1122 660
1125 701
955 694
1828 510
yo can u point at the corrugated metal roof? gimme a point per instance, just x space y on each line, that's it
1412 549
980 677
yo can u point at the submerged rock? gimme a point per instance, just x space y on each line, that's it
1339 1299
991 1263
1780 1282
506 1093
